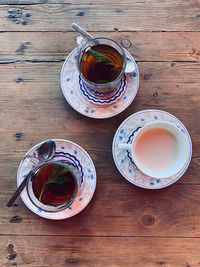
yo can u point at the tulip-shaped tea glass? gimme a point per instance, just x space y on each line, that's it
101 63
54 185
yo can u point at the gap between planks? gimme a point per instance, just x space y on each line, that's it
109 31
10 61
106 236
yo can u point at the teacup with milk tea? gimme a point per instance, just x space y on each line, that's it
159 149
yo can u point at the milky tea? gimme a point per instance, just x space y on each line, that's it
156 149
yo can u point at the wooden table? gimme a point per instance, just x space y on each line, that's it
123 225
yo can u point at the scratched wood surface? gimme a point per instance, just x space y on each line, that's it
100 251
123 225
105 15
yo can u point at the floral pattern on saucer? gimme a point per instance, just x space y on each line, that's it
103 99
80 159
71 90
122 158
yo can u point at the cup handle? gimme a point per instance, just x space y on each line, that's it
80 41
130 66
124 146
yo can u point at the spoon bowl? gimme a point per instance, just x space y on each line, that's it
47 150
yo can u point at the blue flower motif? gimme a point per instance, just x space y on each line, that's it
122 161
69 208
152 183
125 97
75 57
121 131
134 74
130 170
71 92
158 181
62 147
115 106
24 175
183 131
34 154
39 210
75 152
155 117
68 79
89 170
120 138
92 111
142 119
92 177
37 149
80 199
86 110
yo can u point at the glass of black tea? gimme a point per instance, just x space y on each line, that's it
54 185
101 62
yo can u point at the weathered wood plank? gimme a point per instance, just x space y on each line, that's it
117 209
144 46
97 252
74 2
22 2
158 72
129 16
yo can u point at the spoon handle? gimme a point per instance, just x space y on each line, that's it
19 189
82 31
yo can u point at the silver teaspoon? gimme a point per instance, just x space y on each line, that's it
45 152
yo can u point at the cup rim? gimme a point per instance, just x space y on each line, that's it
140 167
123 66
45 207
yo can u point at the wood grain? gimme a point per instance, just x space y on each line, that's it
144 46
97 252
123 15
117 209
123 225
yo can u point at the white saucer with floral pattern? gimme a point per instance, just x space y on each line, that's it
79 157
79 98
125 134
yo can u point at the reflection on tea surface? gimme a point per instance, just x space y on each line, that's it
54 184
101 64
